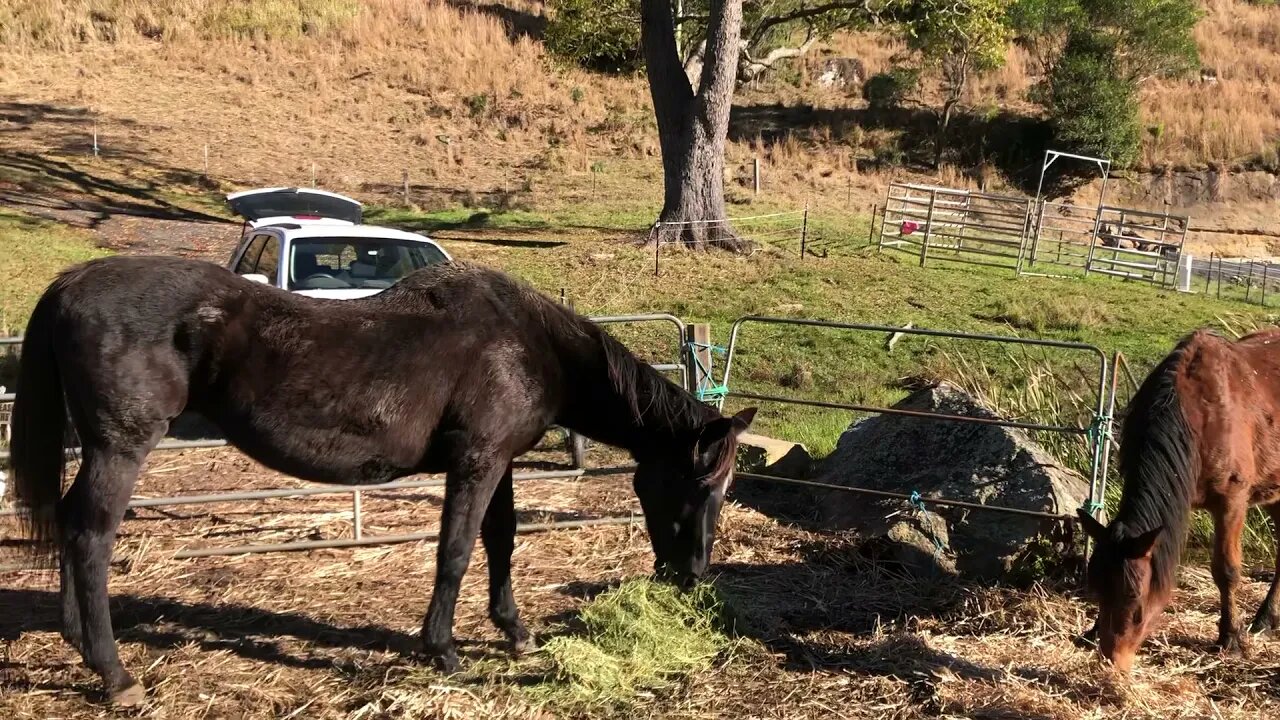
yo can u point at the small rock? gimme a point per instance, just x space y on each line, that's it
770 456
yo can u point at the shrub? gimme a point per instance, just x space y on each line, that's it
1093 110
890 89
601 35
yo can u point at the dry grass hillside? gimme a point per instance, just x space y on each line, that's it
462 98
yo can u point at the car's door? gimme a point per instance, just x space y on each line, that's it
269 261
247 258
250 262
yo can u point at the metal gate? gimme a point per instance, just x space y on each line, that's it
1138 245
1096 434
944 224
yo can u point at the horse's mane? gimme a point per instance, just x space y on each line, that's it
647 393
1157 461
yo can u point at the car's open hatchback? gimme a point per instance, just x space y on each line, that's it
294 204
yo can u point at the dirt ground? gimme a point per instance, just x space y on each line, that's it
330 634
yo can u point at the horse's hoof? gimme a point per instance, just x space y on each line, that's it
523 645
444 661
1231 647
131 695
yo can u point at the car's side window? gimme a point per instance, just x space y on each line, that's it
249 260
269 261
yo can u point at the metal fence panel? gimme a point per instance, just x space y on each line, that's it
1095 433
1138 245
947 225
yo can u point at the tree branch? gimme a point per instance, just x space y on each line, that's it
754 66
805 13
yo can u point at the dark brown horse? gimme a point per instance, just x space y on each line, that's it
454 369
1201 432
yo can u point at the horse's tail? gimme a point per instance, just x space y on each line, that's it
39 421
1158 454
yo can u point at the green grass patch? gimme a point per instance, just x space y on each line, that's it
1071 313
36 251
640 637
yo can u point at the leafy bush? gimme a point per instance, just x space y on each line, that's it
1093 110
602 35
890 89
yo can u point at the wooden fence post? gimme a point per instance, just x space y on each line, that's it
698 356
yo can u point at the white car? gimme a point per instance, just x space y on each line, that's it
313 243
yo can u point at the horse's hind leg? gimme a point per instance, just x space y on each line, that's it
498 531
1228 523
92 511
1268 617
469 485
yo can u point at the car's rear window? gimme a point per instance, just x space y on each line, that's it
355 263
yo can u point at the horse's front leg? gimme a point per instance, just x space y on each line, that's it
1268 617
469 485
1228 523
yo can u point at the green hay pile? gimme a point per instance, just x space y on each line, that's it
637 638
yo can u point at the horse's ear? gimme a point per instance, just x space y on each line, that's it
1092 527
720 428
1142 545
714 432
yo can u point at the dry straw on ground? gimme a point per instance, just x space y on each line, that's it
819 631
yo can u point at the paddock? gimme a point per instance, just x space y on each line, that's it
330 631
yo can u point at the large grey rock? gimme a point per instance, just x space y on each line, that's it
984 464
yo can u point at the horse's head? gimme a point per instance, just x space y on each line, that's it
1120 578
681 488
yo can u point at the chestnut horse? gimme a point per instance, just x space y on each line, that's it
454 369
1200 433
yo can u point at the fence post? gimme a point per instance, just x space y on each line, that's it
804 229
698 357
1035 234
755 174
657 243
928 228
871 229
1248 283
1185 264
1022 238
357 514
1093 243
1219 277
1266 266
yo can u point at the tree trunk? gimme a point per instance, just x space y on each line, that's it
692 126
955 73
